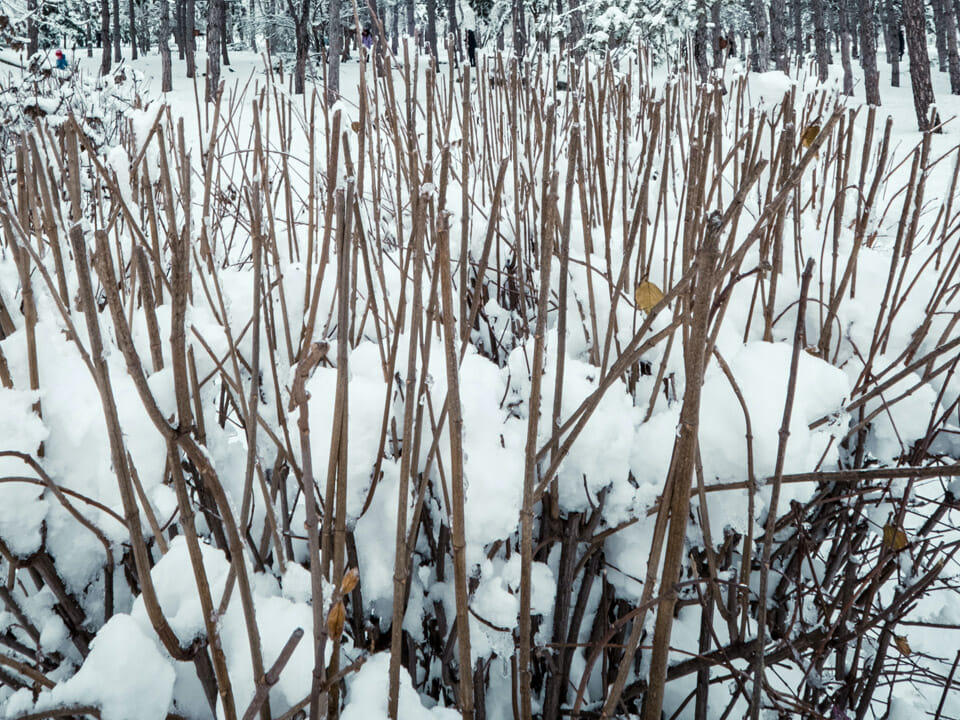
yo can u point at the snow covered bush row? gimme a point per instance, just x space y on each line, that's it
173 508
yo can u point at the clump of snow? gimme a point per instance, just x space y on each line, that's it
367 695
177 588
125 675
22 505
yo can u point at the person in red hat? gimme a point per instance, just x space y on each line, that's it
61 60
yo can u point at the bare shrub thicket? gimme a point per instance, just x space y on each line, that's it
207 276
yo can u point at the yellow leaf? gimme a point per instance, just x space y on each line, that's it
647 295
902 645
894 538
809 135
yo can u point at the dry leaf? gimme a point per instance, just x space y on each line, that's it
350 581
809 135
902 645
894 538
335 620
356 126
647 295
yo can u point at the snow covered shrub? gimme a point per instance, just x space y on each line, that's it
51 96
621 26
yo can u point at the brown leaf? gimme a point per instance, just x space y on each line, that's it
894 538
647 295
336 619
809 135
356 126
349 581
902 645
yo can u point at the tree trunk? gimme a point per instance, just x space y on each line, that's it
798 29
716 37
941 35
820 40
226 32
133 31
893 41
105 61
760 51
335 34
190 39
953 55
431 36
411 21
33 30
853 28
453 29
163 37
576 24
144 33
301 18
395 30
868 52
117 54
252 25
845 48
215 15
778 35
700 45
913 22
179 33
519 31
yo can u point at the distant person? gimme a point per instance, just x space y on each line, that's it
61 63
468 23
366 38
472 47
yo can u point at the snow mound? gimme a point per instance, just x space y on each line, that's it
367 695
125 675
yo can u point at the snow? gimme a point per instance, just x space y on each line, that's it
616 467
125 675
368 693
